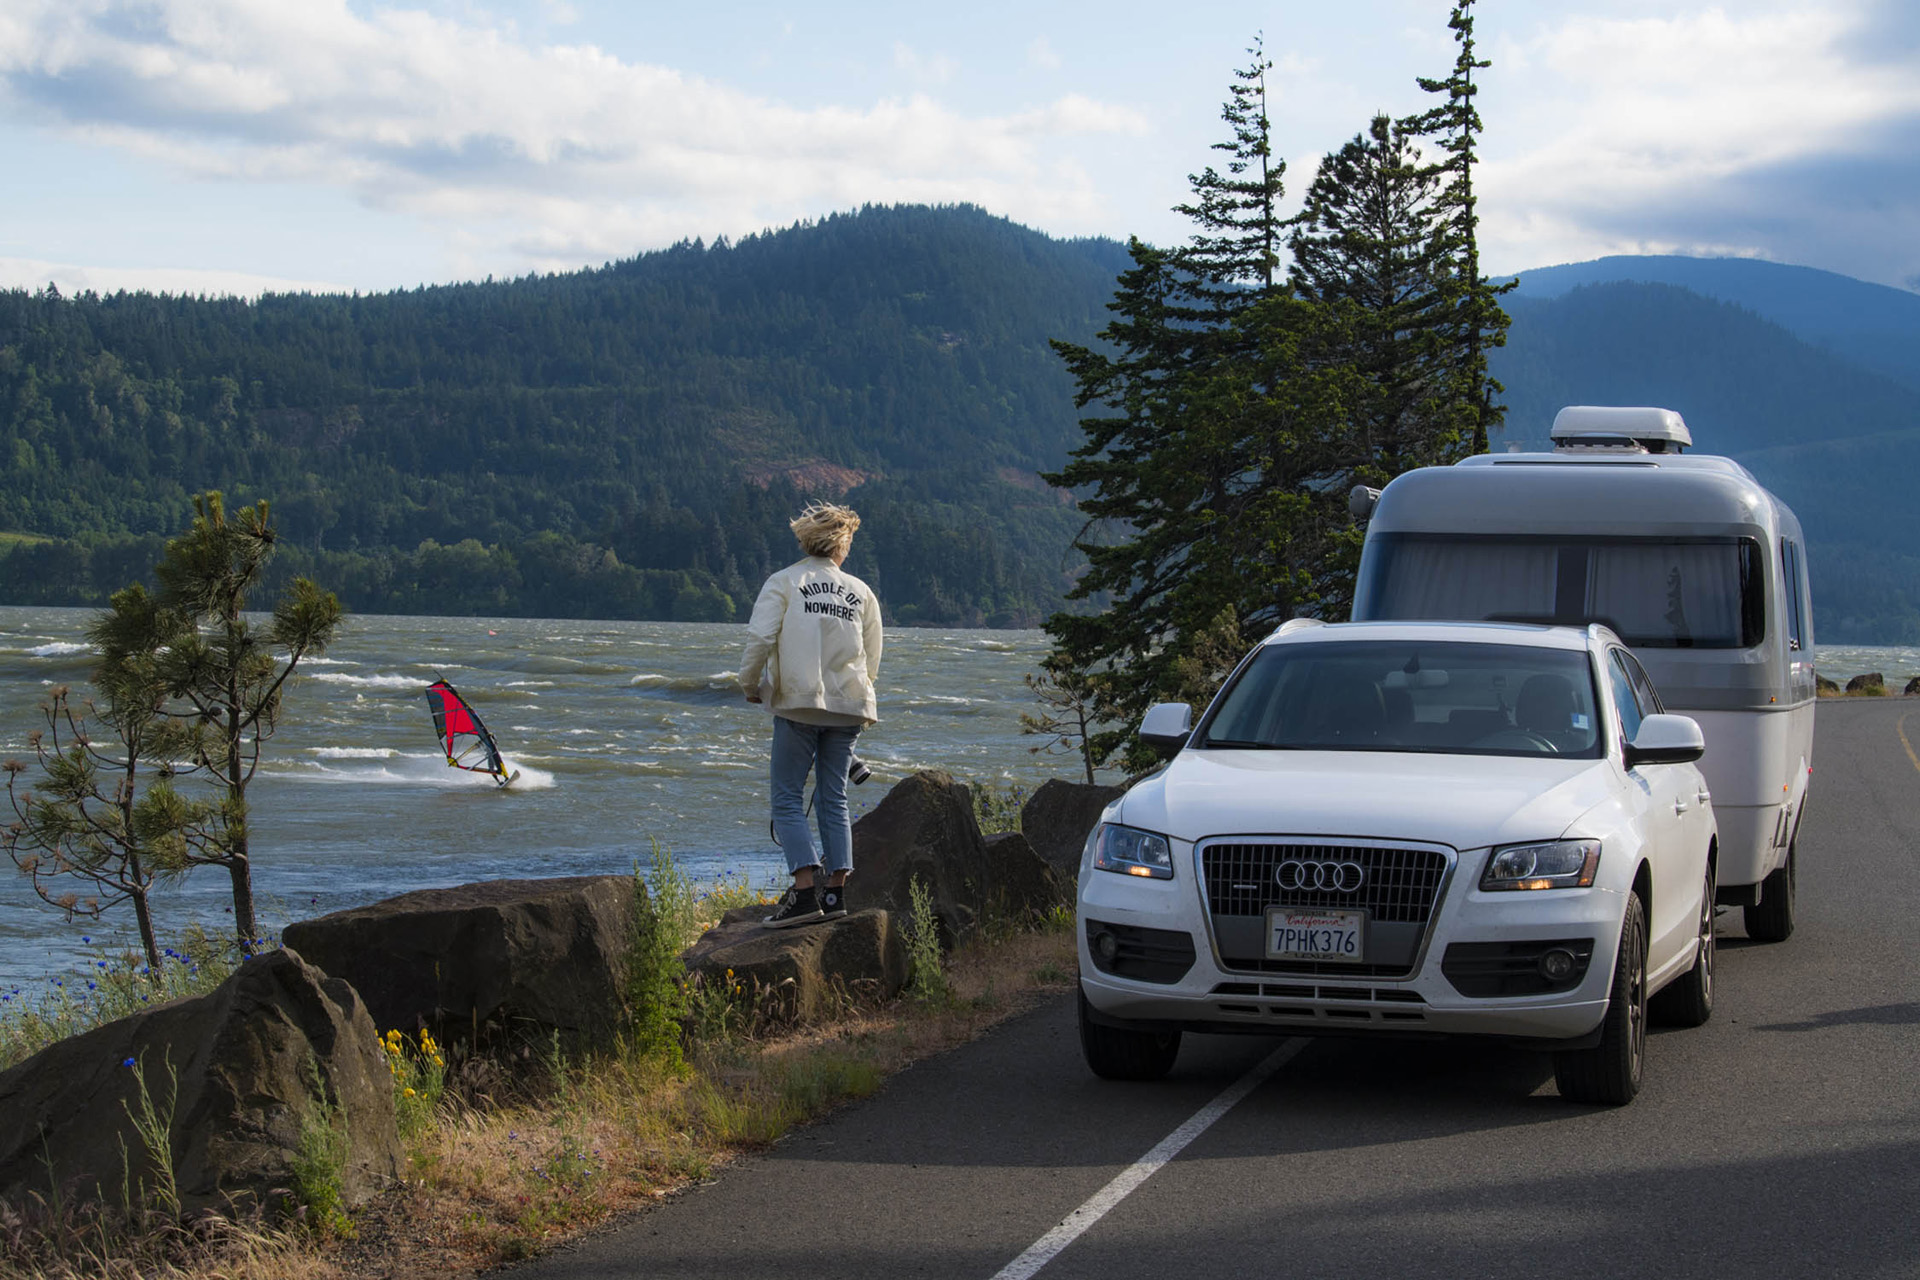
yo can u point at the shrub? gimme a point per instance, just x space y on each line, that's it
927 982
664 920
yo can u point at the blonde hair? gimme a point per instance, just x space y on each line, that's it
825 529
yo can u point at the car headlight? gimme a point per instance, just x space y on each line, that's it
1132 852
1557 864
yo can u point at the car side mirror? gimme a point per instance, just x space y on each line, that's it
1666 739
1167 727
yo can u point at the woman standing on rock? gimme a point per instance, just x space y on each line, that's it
813 653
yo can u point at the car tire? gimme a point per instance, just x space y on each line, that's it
1771 919
1609 1073
1117 1053
1687 1001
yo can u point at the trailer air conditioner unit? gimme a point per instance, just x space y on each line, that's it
1618 429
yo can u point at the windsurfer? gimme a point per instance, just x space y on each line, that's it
813 653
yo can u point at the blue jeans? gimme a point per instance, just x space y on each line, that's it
828 751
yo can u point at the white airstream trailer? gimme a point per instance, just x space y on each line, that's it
1696 566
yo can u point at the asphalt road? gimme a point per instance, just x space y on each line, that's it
1780 1140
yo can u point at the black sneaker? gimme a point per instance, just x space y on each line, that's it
833 901
798 906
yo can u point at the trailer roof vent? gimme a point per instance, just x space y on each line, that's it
1617 428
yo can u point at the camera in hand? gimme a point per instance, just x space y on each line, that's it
858 771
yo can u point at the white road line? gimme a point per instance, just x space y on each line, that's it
1043 1250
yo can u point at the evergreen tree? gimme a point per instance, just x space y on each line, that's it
1208 492
230 672
1369 234
1477 322
1234 257
106 815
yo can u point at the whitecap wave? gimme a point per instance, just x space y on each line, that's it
355 753
407 771
58 649
368 682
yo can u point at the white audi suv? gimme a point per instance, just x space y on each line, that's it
1409 828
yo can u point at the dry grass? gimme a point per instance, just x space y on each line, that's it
568 1144
611 1133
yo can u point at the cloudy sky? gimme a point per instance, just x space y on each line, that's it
235 145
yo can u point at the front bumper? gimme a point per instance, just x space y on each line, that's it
1216 995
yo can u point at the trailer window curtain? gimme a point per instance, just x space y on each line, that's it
1706 593
1684 595
1472 580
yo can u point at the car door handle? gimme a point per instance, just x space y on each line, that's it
1703 797
1679 807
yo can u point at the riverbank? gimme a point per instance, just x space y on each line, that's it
504 1158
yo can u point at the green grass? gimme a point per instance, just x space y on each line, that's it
11 540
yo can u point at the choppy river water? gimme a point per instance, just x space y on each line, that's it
624 732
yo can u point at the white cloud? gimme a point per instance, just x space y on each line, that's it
1040 54
562 154
31 273
1655 135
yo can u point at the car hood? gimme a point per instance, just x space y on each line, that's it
1464 801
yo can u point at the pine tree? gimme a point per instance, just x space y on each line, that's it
1477 323
1208 491
1234 257
105 814
231 673
1370 234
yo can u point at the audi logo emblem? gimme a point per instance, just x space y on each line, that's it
1296 874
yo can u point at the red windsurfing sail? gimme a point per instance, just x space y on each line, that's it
465 740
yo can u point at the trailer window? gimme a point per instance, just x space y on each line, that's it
1703 593
1790 566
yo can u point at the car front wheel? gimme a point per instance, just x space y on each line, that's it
1609 1073
1119 1053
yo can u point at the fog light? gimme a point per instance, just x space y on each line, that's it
1556 965
1105 946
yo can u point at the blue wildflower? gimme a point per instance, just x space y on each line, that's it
126 1062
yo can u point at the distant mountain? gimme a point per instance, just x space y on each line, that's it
611 443
1870 324
1839 444
629 441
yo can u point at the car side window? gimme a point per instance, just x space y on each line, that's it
1623 696
1643 686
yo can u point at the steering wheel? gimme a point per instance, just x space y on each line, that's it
1518 738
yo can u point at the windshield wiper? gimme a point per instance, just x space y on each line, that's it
1241 742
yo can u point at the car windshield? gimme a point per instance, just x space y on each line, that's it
1408 695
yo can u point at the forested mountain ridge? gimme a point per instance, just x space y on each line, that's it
1872 325
616 442
629 441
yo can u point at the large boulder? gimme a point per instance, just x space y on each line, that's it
924 829
1824 686
1913 687
805 970
524 957
1871 682
232 1076
1058 816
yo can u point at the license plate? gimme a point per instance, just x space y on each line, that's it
1316 935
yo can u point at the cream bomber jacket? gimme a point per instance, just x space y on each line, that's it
814 641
